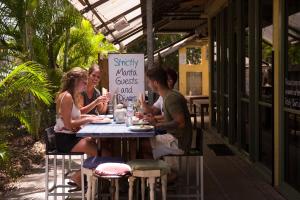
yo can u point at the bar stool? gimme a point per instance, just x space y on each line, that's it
113 172
49 137
88 167
148 170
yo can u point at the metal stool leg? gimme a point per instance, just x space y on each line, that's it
47 177
82 178
55 176
63 174
201 178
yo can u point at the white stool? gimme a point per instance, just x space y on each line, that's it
51 150
88 169
148 170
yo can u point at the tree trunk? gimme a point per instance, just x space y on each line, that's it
66 49
51 61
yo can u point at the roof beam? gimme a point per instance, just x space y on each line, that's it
166 31
92 6
100 19
128 35
118 16
133 19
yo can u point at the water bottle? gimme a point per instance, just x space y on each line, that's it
129 113
114 105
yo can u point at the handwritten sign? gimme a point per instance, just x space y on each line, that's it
126 75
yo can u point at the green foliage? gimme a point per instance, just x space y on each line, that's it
3 152
294 53
22 92
193 55
266 52
84 46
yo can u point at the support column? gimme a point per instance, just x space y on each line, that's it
251 49
240 48
150 55
278 48
210 67
232 77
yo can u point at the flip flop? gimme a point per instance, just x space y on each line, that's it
71 183
75 189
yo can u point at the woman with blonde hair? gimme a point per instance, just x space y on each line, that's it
69 118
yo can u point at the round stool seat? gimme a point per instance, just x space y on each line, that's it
149 164
112 170
93 162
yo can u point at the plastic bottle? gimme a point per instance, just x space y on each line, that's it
129 113
114 104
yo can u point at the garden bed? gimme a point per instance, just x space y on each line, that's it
25 154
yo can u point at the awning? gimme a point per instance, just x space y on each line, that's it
123 21
120 21
172 47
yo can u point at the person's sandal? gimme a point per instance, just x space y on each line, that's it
75 189
72 183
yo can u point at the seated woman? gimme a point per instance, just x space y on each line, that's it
91 100
92 103
69 118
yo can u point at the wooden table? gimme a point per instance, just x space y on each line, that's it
203 105
192 98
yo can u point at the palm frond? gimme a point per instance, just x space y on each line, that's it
30 78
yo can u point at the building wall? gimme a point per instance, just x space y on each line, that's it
185 68
265 122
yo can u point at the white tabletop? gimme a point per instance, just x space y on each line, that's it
111 130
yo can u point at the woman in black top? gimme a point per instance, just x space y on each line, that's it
91 100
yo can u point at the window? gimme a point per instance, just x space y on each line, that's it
193 83
193 55
292 95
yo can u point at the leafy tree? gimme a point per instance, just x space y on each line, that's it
83 47
23 90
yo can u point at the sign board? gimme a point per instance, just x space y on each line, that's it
126 75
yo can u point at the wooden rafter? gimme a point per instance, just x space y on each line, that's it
129 34
130 21
101 20
120 15
92 6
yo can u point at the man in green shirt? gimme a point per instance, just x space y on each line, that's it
177 119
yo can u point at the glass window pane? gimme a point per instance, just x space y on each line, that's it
292 71
292 95
266 136
245 126
292 150
245 69
193 55
194 83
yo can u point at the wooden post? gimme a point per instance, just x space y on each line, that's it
150 55
103 63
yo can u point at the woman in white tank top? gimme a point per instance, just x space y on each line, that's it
69 119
